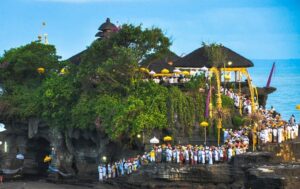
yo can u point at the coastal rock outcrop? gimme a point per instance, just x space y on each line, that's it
251 170
76 151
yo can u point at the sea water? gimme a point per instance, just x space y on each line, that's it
286 79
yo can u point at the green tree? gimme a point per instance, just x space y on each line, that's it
215 54
21 81
113 63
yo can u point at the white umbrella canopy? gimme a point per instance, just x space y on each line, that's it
154 140
152 72
2 127
20 156
204 69
176 70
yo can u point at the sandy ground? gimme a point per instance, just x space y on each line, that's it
45 185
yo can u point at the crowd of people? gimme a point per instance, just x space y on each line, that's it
273 129
236 142
118 169
180 154
171 79
189 154
239 100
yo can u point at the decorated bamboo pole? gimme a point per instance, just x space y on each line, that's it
219 101
204 124
251 89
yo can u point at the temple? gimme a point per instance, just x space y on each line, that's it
105 30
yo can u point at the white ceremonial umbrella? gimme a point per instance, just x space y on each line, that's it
20 156
152 72
2 127
176 70
154 140
204 69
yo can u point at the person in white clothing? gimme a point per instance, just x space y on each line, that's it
104 171
280 135
216 155
203 156
210 157
288 129
100 171
229 152
221 153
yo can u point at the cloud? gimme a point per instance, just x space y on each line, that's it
91 1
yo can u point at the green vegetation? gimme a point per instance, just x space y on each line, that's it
104 92
215 54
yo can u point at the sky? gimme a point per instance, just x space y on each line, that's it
256 29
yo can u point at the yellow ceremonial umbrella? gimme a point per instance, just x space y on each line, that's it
167 138
298 107
227 77
63 71
185 73
47 159
40 70
145 70
203 124
165 71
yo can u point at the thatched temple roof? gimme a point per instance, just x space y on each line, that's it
164 62
198 59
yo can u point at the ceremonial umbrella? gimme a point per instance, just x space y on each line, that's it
185 73
176 70
2 127
165 71
298 107
167 138
204 68
144 70
203 124
41 70
20 156
152 72
227 77
154 140
47 159
63 71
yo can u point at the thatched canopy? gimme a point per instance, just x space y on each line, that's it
199 58
164 62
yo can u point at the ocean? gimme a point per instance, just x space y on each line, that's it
286 78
